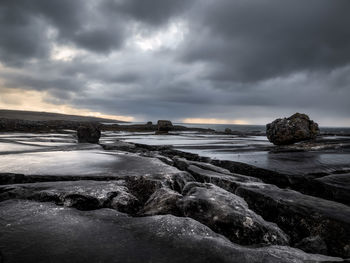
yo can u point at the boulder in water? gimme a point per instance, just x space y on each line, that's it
164 126
88 133
296 128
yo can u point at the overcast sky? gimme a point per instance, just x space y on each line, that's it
237 61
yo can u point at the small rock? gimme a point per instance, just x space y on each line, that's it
164 126
90 134
125 202
296 128
228 130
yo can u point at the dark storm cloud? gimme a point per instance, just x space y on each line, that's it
26 24
235 58
153 12
259 39
21 34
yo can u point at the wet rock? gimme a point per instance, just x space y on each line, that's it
164 126
177 181
84 164
229 215
267 176
8 178
88 133
211 167
301 216
225 181
120 145
181 163
228 131
162 202
142 187
105 235
296 128
81 202
124 202
83 195
314 244
165 159
336 187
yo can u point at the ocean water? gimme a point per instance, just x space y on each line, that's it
247 128
222 127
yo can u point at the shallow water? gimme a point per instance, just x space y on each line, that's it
60 155
254 150
55 154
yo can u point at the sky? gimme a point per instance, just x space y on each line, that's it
196 61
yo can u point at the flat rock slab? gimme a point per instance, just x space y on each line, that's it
336 187
43 232
83 162
84 195
301 216
227 182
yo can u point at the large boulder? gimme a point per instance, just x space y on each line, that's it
296 128
164 126
88 133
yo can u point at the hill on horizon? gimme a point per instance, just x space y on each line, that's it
46 116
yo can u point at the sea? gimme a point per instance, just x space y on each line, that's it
248 128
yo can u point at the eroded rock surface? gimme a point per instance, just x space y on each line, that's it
336 187
83 195
302 216
213 174
163 201
229 215
105 235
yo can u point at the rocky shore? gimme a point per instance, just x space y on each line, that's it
122 202
43 126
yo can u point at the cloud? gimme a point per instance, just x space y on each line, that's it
251 61
247 41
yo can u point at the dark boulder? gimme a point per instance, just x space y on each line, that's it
88 133
164 126
296 128
228 131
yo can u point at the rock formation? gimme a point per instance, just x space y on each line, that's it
164 126
89 134
296 128
228 131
